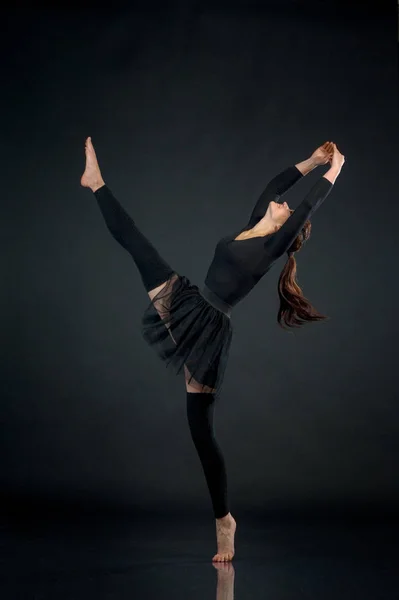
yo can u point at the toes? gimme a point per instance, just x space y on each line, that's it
223 557
217 558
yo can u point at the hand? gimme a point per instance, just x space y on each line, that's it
338 159
323 154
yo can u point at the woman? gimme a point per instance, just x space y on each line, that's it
191 329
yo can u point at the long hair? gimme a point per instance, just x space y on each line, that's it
295 310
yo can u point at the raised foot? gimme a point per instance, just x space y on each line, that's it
91 177
225 532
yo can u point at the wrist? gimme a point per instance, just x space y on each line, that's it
306 166
332 173
315 162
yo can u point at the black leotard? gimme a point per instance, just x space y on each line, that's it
238 265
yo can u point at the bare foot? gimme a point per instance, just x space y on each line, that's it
225 584
225 531
91 177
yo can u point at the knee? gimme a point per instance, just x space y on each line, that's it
194 387
200 408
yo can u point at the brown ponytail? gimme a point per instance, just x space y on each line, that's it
295 310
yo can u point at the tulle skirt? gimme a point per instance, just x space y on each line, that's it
186 330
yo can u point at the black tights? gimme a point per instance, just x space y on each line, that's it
154 271
200 411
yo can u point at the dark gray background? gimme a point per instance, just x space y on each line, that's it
193 108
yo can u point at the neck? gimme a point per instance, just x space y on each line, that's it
265 227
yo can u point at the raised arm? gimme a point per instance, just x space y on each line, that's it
280 184
280 242
276 188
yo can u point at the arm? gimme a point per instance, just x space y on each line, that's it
280 184
280 242
285 180
276 188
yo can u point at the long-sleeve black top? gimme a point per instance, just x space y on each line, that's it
238 265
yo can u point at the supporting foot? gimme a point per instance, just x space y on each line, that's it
225 531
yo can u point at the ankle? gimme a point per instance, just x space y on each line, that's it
225 519
97 185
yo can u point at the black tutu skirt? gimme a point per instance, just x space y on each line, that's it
189 328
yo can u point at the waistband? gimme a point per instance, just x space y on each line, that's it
215 301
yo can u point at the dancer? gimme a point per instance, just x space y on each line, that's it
190 329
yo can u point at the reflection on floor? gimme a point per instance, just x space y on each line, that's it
81 556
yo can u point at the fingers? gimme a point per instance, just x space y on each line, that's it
332 151
338 153
328 147
336 149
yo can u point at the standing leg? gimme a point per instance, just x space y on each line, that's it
200 413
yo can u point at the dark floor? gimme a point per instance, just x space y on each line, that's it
112 557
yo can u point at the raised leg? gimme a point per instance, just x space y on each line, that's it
154 270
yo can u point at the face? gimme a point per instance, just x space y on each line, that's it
279 212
